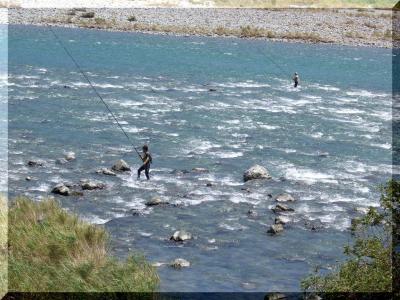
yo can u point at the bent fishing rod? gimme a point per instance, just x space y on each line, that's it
93 88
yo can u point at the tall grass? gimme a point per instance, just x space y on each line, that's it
3 246
52 250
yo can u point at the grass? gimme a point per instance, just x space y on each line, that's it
3 246
52 250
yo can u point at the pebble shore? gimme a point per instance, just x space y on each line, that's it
343 27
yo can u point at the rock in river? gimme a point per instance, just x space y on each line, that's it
180 263
61 189
200 170
69 156
281 220
121 166
275 229
180 236
256 172
156 201
91 185
106 171
35 163
281 207
284 198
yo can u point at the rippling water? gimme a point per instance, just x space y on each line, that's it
327 143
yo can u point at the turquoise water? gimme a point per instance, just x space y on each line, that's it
327 143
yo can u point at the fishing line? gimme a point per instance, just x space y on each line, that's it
93 88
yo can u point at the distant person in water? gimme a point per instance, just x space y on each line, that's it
296 79
147 160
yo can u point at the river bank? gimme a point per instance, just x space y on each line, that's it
336 26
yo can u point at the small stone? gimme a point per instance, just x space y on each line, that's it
61 161
106 171
121 166
69 156
28 178
209 184
180 263
200 170
252 213
35 163
284 198
212 90
155 201
61 189
180 236
281 207
281 220
256 172
275 229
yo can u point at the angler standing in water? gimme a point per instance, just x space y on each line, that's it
296 79
147 160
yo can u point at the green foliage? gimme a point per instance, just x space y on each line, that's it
51 250
369 264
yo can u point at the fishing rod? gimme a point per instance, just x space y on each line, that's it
93 88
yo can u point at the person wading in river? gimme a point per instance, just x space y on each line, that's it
147 160
296 79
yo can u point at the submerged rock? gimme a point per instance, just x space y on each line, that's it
156 201
91 185
209 184
314 225
281 220
106 171
35 163
180 236
61 161
69 156
179 172
256 172
284 198
252 214
180 263
61 189
281 207
275 229
276 296
200 170
121 166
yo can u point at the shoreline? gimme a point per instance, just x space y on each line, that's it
345 27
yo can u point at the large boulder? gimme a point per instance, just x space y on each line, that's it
180 263
156 201
106 171
275 229
256 172
180 236
91 185
61 189
121 166
284 198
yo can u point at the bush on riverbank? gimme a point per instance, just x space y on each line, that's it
369 266
52 250
3 246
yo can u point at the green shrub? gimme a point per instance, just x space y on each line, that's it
369 264
132 19
51 250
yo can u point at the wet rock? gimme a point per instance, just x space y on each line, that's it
281 220
275 229
209 184
284 198
106 171
200 170
156 201
179 172
121 166
256 172
91 185
246 190
276 296
35 163
180 263
313 225
28 178
61 189
269 195
252 213
180 236
70 156
212 90
61 161
280 208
